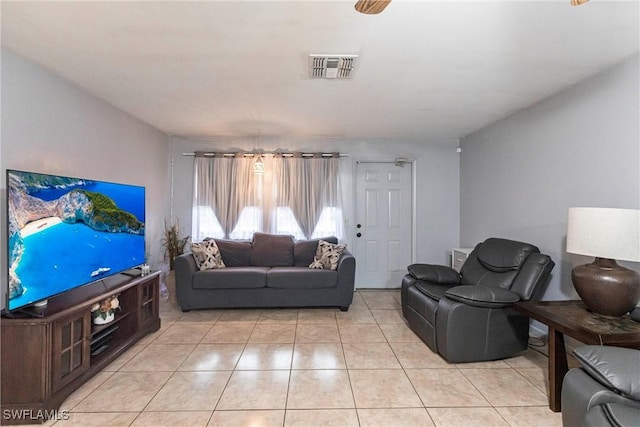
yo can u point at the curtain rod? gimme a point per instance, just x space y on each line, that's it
261 153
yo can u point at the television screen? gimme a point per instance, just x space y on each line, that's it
66 232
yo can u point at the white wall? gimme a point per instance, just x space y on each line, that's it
51 126
580 147
437 176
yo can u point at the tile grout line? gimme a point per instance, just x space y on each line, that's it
424 406
293 352
235 366
176 369
296 336
346 366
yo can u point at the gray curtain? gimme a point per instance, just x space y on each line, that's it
307 185
226 184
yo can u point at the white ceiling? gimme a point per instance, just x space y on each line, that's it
427 69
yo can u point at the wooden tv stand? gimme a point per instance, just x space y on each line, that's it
45 359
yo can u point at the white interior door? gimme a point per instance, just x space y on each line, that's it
383 223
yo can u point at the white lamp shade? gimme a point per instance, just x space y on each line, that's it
604 233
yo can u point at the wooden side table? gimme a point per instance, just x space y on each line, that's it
572 318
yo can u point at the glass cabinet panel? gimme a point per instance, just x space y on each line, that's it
70 349
148 301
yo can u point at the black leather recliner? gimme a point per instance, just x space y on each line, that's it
467 317
605 390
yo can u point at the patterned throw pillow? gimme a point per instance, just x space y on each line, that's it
327 255
207 255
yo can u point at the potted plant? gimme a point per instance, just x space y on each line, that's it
173 243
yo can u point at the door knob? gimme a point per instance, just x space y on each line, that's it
359 226
359 235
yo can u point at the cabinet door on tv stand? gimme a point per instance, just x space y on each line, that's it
148 298
71 351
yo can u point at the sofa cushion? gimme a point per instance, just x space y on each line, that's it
207 255
305 250
501 255
474 273
327 255
301 278
235 253
231 277
272 250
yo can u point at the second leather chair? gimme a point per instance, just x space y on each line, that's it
467 317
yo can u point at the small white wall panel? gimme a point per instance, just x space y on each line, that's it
395 198
371 208
372 256
394 256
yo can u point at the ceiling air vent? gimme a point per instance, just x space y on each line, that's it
331 66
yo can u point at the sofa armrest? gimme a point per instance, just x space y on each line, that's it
482 296
345 256
616 368
185 266
438 274
346 277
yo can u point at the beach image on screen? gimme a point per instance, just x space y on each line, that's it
65 232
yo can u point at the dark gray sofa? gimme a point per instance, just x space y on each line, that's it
269 271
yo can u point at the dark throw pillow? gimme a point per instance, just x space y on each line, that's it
272 250
235 253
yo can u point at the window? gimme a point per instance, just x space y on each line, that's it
286 223
329 223
207 224
296 191
248 223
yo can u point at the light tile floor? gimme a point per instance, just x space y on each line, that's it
306 367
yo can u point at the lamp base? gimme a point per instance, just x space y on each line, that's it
607 288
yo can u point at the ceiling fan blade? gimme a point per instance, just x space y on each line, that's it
371 7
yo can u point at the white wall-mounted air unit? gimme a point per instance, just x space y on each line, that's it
331 66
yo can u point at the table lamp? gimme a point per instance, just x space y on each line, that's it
608 234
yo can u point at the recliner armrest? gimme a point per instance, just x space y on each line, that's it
439 274
614 367
616 414
482 296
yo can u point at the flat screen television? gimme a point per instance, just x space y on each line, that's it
65 232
